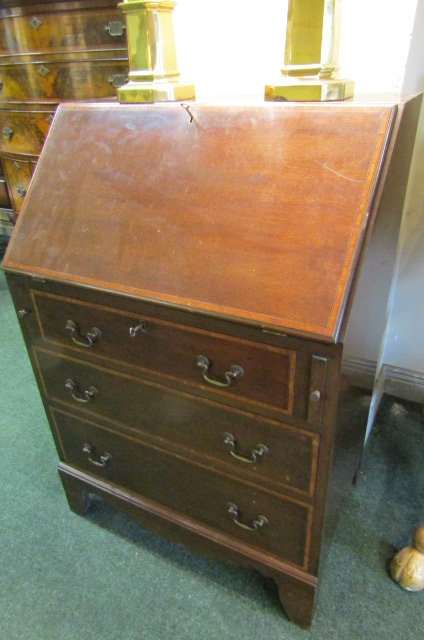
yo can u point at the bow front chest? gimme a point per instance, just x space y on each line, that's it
183 278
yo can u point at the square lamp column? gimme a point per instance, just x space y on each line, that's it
311 54
153 75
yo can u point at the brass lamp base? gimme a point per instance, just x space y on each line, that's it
155 92
309 89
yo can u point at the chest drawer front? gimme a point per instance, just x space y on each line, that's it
173 351
212 498
71 80
4 195
24 132
284 455
58 30
19 174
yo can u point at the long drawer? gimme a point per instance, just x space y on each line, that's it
262 449
64 78
177 352
18 172
279 526
49 31
24 131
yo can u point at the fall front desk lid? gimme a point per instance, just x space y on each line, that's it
248 212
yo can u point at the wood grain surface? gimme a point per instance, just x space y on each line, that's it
252 212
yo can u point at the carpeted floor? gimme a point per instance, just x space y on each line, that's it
102 577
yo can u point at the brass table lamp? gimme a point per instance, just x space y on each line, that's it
311 54
153 72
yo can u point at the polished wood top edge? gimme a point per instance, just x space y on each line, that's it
383 98
242 104
213 535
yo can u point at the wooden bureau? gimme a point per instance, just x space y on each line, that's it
183 279
52 51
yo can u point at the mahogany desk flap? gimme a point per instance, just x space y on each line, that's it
254 212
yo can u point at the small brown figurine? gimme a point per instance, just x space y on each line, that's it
407 567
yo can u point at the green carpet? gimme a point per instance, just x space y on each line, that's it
101 577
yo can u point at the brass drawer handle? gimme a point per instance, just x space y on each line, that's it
254 456
254 525
103 460
85 396
234 373
115 28
7 133
86 341
21 190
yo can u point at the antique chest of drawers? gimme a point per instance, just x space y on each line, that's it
50 52
183 282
